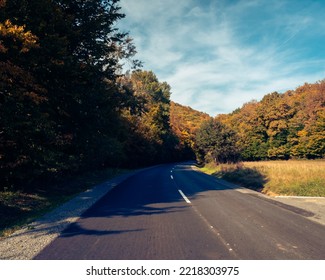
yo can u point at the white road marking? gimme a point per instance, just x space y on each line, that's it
171 176
184 196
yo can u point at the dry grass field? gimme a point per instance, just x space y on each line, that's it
292 177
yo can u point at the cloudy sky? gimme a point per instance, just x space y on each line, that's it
218 54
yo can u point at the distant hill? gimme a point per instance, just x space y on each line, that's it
282 126
184 123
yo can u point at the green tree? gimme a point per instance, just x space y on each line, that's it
215 141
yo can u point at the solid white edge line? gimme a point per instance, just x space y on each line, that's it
184 196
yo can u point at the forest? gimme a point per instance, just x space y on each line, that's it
281 126
67 106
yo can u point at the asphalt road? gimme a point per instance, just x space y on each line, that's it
174 212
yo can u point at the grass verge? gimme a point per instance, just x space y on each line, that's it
292 177
20 208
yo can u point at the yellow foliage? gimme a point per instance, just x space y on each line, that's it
302 133
17 34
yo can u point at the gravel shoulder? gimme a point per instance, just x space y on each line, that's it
26 243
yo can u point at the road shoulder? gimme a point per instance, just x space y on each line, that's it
313 208
316 205
27 242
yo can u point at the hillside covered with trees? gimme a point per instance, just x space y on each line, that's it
185 123
281 126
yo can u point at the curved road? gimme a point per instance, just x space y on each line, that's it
174 212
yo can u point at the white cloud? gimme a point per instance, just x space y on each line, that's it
218 56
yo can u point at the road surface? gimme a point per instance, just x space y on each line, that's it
175 212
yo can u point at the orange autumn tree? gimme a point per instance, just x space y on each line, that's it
59 103
282 126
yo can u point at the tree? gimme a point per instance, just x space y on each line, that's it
151 138
185 122
60 103
282 126
23 125
215 141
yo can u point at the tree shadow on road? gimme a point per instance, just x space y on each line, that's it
75 229
127 200
136 210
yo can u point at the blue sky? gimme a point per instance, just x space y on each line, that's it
217 55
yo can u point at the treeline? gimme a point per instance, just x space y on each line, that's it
65 107
185 123
281 126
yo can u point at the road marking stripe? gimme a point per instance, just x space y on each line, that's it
171 176
184 196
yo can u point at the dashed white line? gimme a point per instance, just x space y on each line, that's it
171 176
184 196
